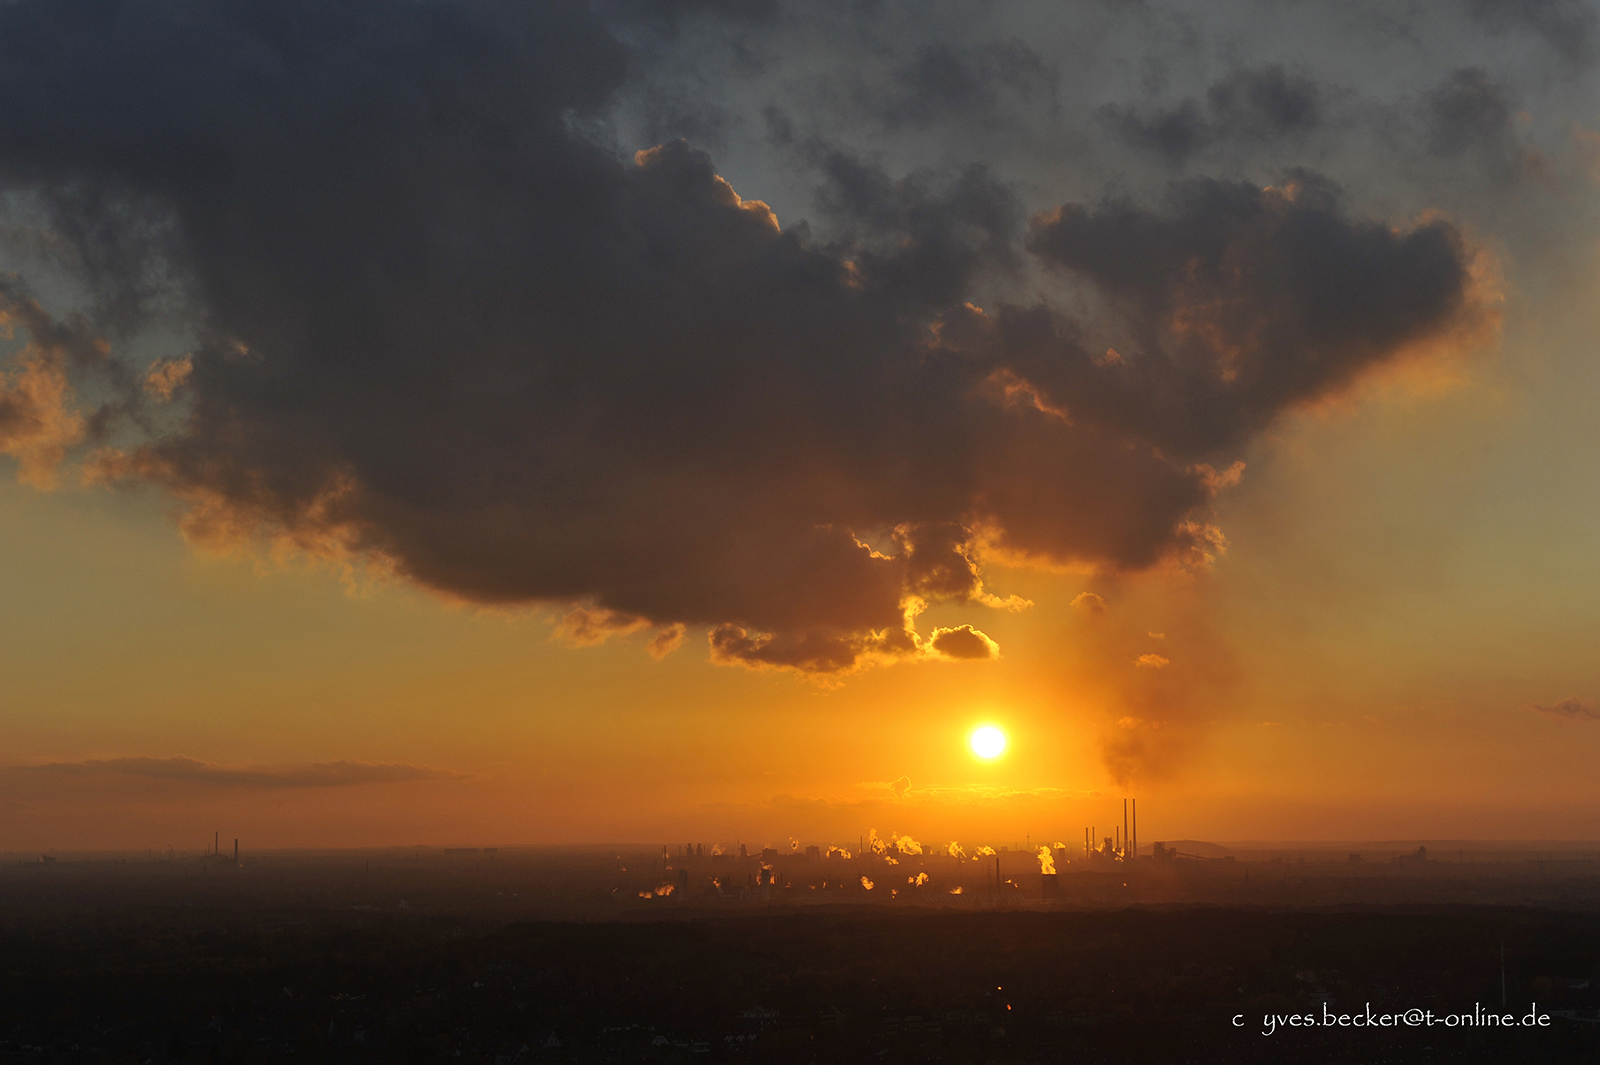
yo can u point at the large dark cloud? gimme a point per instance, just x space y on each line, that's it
1242 301
444 325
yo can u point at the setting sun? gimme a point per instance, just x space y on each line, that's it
988 742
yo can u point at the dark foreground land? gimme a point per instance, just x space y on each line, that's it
314 960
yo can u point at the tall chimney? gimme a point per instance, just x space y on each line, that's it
216 838
1124 825
1136 828
235 852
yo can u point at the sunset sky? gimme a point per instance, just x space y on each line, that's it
661 420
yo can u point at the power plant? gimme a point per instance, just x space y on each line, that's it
1123 843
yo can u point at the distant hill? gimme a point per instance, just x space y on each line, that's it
1199 848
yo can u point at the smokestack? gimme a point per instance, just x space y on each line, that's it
1136 828
216 837
235 852
1124 826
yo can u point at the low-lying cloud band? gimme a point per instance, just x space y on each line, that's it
193 771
